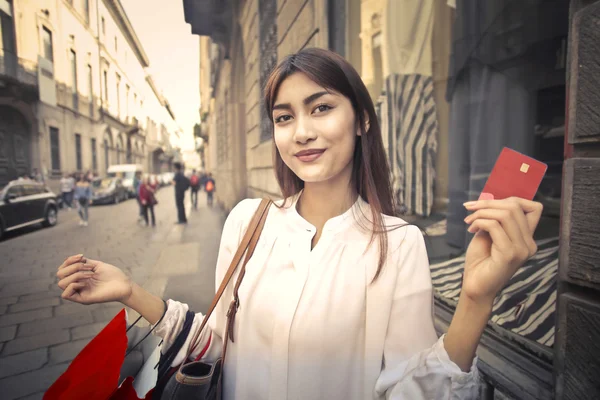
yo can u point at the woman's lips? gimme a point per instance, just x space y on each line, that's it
309 155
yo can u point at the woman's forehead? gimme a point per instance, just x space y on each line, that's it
298 86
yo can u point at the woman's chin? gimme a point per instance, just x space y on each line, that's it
313 178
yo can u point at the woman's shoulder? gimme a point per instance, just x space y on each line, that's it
401 232
246 206
245 209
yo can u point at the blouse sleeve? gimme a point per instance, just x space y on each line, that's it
210 339
416 364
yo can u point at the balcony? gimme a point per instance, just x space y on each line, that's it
212 18
17 69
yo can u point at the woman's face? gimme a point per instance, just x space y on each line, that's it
315 130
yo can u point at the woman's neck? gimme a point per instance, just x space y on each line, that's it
322 201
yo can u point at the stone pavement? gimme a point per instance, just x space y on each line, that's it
40 333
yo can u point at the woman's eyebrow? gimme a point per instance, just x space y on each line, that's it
306 101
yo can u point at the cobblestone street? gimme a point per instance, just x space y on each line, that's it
40 333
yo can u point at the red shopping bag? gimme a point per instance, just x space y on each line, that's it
94 373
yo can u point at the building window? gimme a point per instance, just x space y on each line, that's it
90 90
126 101
73 62
106 154
94 156
118 95
86 10
54 149
267 36
7 30
105 73
116 45
78 152
47 43
103 24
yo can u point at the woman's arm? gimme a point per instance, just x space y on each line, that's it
417 365
149 306
464 333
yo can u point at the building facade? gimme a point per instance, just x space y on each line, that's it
454 81
89 101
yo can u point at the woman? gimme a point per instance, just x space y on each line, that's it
83 195
337 298
147 199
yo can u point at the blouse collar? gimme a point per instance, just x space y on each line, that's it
358 209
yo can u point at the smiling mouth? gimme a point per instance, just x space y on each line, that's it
309 155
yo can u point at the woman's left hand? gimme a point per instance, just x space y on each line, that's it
502 243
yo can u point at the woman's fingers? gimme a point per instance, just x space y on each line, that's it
526 213
531 209
72 290
71 260
498 235
71 269
509 224
77 276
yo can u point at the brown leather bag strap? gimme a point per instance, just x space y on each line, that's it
248 243
235 303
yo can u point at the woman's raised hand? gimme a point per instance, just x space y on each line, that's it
503 242
88 281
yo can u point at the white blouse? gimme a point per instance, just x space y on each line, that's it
312 326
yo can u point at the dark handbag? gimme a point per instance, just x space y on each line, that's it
199 380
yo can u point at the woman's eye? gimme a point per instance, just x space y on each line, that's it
283 118
322 108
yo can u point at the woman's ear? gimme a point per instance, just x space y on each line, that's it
367 125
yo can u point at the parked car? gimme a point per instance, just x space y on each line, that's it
126 172
108 190
167 178
24 203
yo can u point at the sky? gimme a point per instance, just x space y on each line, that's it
174 57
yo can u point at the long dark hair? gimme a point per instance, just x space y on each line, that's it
370 172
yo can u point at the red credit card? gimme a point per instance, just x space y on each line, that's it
514 175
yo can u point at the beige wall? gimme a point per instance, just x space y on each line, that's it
372 56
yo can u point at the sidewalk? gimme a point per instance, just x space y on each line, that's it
40 333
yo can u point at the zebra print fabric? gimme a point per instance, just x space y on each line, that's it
526 306
409 121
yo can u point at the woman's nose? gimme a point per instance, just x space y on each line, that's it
304 132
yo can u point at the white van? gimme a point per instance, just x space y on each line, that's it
127 173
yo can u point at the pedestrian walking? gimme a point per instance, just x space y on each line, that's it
209 188
336 302
148 199
37 176
67 186
181 184
83 195
137 180
194 187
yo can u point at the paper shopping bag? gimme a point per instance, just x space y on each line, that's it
94 373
